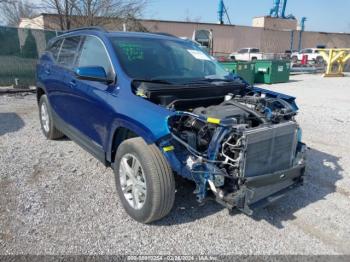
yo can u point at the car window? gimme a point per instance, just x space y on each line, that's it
68 51
243 51
171 60
93 53
55 48
254 50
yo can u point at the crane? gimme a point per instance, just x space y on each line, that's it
279 9
221 12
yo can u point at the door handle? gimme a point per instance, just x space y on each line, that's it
73 83
47 71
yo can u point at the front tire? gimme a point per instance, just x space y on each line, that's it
144 180
46 120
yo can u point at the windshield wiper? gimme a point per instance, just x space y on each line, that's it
218 80
156 81
208 80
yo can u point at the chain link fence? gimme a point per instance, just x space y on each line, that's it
20 49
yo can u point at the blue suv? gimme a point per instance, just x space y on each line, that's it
153 105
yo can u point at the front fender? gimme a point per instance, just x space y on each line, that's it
269 93
150 134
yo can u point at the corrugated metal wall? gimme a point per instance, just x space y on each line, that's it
229 38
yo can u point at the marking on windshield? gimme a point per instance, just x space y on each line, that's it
198 55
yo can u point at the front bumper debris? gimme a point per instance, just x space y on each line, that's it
260 191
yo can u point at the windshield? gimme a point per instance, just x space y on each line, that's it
173 61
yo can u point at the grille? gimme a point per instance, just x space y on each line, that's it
270 149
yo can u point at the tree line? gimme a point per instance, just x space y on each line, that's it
73 13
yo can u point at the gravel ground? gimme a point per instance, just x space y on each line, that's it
57 199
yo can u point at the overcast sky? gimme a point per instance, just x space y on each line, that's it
323 15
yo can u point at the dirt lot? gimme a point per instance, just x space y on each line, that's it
57 199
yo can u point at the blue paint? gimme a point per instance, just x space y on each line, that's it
98 109
221 12
274 12
91 72
284 6
269 93
279 10
302 23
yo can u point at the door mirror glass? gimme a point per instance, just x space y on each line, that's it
92 73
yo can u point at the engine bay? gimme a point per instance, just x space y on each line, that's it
240 113
228 134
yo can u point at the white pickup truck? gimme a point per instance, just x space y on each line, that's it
312 55
247 54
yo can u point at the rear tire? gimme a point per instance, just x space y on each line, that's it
46 120
144 180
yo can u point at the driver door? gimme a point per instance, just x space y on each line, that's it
92 114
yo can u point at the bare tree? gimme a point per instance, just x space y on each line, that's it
77 13
64 9
12 11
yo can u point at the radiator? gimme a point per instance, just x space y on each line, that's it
270 149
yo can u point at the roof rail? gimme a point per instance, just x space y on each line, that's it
98 28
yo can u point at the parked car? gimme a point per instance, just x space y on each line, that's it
247 54
312 53
153 106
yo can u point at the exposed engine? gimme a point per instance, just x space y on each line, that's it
241 143
243 137
241 113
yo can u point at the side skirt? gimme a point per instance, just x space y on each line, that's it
82 140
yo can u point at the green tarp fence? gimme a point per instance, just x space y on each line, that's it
19 52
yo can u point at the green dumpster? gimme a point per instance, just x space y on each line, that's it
243 69
272 71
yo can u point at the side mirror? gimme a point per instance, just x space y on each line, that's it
92 73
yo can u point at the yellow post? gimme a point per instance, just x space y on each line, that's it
335 56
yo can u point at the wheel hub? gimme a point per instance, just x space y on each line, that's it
132 181
45 120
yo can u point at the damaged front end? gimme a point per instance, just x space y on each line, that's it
246 150
238 143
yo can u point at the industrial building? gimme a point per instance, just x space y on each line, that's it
270 34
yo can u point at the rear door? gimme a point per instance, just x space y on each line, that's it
62 94
90 109
48 71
